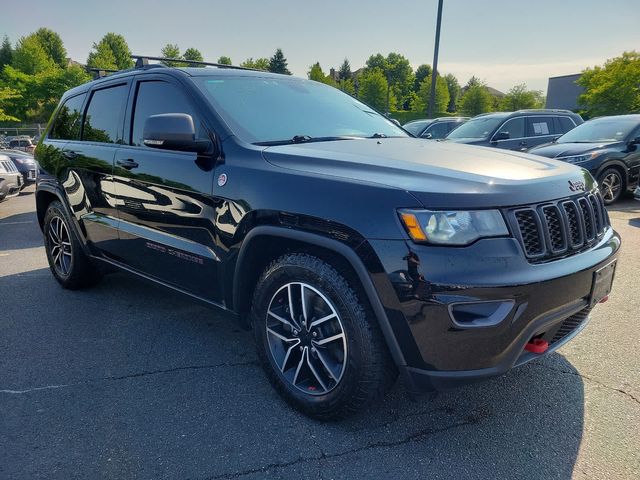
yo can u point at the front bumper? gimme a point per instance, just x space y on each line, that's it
464 314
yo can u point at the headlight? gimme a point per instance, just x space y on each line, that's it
453 227
22 160
579 158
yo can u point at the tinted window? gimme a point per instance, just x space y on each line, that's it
437 130
515 127
566 124
277 108
158 97
68 120
103 121
416 127
540 126
605 129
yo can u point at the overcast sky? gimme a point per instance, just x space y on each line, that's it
504 42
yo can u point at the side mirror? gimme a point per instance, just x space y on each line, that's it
395 121
173 131
427 135
635 141
501 136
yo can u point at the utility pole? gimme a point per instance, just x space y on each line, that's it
434 71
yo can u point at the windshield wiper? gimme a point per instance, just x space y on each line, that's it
378 135
303 139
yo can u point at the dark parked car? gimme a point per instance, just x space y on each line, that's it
352 250
10 178
434 129
23 144
25 164
607 147
519 130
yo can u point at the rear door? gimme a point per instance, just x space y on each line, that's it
540 129
87 164
167 215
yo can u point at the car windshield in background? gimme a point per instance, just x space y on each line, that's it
609 129
268 110
416 127
479 128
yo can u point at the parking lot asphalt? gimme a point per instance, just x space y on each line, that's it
129 380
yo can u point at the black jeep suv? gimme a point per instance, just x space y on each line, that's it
353 251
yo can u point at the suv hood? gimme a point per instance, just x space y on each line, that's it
555 150
438 175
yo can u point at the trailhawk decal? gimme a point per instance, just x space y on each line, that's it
175 253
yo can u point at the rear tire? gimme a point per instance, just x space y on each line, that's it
317 339
70 266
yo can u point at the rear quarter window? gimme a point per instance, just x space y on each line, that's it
68 120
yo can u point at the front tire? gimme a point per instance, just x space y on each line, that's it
317 339
70 266
611 185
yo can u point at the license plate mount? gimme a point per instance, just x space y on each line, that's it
602 282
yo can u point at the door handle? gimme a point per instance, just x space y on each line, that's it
69 154
127 163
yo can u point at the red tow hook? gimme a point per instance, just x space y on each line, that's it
604 299
537 345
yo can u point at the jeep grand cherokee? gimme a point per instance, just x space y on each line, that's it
354 252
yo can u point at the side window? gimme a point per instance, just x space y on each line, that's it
154 98
566 124
437 130
68 121
105 115
540 126
515 127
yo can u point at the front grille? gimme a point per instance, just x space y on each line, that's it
555 229
8 166
569 325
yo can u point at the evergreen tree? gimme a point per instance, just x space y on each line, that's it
278 63
422 72
345 70
454 91
6 52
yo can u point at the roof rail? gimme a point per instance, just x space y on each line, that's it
143 61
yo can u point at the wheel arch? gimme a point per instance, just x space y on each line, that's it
265 243
618 165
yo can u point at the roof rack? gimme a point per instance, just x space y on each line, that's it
101 72
143 61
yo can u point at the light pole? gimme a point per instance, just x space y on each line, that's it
434 72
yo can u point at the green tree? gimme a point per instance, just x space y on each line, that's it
476 100
373 89
7 93
102 57
422 72
424 94
454 91
377 61
474 82
53 46
30 56
520 97
345 70
6 52
397 72
120 50
316 73
612 89
278 63
257 64
171 50
223 60
347 86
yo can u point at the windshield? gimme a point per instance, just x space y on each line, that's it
609 129
274 109
416 127
480 128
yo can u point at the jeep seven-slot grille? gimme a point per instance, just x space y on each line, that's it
8 166
555 229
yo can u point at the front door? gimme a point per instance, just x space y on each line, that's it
164 198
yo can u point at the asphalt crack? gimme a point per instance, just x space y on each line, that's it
131 375
414 437
591 379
